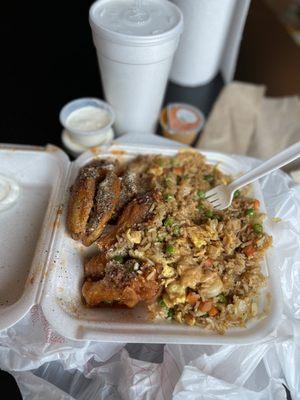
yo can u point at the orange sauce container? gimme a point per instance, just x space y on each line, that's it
181 122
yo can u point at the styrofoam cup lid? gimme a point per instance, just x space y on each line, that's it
134 39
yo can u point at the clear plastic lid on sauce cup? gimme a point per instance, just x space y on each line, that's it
181 122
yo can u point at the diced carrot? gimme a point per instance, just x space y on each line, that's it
213 311
249 250
206 306
256 204
192 298
178 170
208 263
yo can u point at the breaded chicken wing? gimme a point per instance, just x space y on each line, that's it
105 202
94 268
134 213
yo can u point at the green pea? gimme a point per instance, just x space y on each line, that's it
170 250
176 230
222 298
171 313
209 178
119 259
168 197
236 194
258 228
250 212
201 194
209 214
169 222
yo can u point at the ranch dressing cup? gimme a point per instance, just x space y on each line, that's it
135 48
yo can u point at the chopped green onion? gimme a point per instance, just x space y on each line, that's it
185 177
170 250
236 194
176 230
162 304
168 222
200 207
169 197
258 228
222 298
209 214
209 178
205 315
171 313
119 259
250 212
201 194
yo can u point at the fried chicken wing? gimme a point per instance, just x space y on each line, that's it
134 213
129 188
105 202
95 293
138 165
139 289
82 195
81 200
94 268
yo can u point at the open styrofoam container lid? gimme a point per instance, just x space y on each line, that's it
25 239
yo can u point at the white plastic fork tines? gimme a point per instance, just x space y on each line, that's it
221 196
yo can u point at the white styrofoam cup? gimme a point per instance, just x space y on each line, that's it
206 25
134 70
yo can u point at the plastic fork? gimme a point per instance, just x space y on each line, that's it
221 196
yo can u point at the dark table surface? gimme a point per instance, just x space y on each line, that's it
48 59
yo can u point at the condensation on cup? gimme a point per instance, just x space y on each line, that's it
135 42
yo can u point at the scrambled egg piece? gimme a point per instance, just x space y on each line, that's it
175 294
156 171
168 272
134 236
191 277
196 236
211 285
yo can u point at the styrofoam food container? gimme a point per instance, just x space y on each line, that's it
134 69
41 264
87 138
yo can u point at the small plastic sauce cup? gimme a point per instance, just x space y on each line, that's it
83 137
181 122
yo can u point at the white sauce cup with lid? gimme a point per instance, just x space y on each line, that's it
84 125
